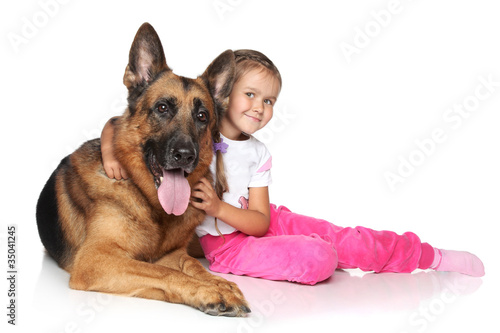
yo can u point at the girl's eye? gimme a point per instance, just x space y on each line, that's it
268 101
162 108
250 94
202 116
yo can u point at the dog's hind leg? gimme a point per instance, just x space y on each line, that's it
105 267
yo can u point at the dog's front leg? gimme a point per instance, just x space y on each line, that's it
105 267
180 260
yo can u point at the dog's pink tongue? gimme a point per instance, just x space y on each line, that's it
174 192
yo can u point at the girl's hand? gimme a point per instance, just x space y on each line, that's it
113 168
210 203
111 165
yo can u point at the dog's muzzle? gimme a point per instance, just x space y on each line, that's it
170 163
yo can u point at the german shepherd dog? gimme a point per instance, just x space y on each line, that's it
129 237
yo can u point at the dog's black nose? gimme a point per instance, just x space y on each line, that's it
183 156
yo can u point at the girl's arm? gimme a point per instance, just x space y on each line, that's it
111 165
253 221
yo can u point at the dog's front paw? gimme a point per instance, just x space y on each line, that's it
225 284
224 300
222 309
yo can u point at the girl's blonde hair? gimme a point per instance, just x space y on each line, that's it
246 61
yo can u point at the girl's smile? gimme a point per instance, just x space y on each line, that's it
253 118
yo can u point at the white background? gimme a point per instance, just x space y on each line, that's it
341 124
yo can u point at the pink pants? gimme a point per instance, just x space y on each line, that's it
307 250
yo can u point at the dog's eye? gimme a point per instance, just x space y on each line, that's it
202 116
162 108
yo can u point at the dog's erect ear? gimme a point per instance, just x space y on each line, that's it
146 58
219 76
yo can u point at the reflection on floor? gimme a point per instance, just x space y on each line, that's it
399 302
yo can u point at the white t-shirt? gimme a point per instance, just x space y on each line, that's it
247 164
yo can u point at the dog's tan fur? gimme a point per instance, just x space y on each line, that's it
114 236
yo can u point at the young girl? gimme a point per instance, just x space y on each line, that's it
244 234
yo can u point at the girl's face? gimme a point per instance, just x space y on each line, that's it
251 104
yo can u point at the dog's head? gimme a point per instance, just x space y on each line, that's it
171 119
